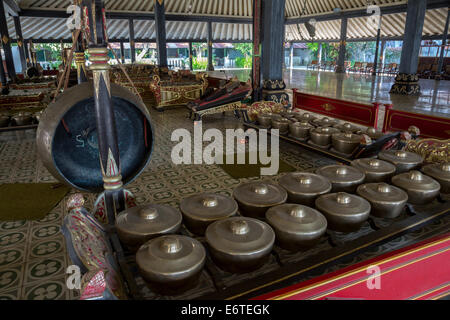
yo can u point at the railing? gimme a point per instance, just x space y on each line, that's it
368 114
360 113
429 126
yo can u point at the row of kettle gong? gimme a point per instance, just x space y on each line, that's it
295 213
324 133
19 119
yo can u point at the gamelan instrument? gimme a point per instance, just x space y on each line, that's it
67 137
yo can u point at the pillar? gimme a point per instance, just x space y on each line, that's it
27 53
3 77
291 56
273 51
132 44
122 52
444 41
160 24
340 67
210 48
319 53
6 43
256 61
377 49
407 81
382 53
191 67
20 43
33 57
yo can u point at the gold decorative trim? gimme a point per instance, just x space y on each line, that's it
328 107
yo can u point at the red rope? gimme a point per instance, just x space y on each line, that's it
145 132
65 125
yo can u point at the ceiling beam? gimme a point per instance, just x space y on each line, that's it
356 13
11 7
146 40
139 16
396 38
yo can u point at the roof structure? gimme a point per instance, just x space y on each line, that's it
231 19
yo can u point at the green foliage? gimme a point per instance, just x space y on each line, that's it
245 48
392 55
314 49
360 51
330 51
52 51
198 64
244 62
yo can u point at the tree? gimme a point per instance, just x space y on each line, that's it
360 51
245 48
314 49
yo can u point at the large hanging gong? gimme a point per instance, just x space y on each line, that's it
67 137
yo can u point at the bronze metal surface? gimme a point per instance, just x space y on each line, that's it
376 170
346 127
321 136
254 198
171 263
305 117
4 120
385 200
374 133
345 142
403 160
200 210
300 130
304 187
344 212
137 225
441 173
281 124
264 119
342 178
240 244
297 227
421 188
324 122
53 116
22 118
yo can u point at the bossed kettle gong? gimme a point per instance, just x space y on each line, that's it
67 137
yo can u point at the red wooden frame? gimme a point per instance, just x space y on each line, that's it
418 272
360 113
430 126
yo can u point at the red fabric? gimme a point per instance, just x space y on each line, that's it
419 271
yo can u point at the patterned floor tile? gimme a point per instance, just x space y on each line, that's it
9 256
12 239
51 289
33 255
11 276
46 248
41 270
11 294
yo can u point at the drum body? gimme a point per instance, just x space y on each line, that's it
67 137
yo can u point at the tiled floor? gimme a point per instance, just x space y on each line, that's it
364 88
33 256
